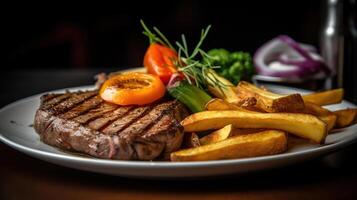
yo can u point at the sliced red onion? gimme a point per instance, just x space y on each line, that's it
291 55
308 47
283 57
309 63
174 80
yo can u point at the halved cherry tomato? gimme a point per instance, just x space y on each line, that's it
159 60
132 89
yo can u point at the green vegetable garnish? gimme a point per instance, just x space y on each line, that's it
235 66
199 69
193 97
189 63
219 57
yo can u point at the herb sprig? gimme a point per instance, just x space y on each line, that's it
189 63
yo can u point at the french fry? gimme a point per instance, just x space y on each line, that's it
242 146
220 104
330 121
314 109
325 115
245 131
247 102
228 92
250 104
190 140
218 135
268 101
346 117
303 125
325 98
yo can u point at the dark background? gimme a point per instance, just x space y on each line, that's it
102 36
66 44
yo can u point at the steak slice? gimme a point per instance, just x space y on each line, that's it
83 122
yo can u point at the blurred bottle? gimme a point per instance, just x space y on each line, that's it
350 55
332 42
338 45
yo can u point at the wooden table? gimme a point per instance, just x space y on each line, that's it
23 177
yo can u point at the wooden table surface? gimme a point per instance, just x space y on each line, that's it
23 177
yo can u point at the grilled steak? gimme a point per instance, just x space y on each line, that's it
83 122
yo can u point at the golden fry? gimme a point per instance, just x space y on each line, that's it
346 117
325 115
220 104
330 121
314 109
217 135
242 146
303 125
326 97
244 131
228 92
247 102
268 101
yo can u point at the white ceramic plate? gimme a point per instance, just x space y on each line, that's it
16 133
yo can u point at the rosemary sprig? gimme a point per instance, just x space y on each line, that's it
195 71
153 38
163 37
203 37
192 65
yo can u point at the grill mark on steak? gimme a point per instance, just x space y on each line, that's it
104 120
95 113
105 130
163 137
71 102
143 123
126 120
161 117
164 123
48 97
165 131
53 102
82 108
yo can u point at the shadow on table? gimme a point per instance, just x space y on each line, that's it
320 178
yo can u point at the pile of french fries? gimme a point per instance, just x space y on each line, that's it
258 122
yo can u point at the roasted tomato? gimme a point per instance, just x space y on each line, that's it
132 89
159 60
